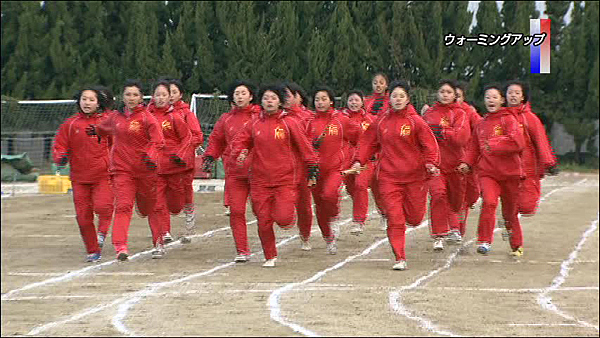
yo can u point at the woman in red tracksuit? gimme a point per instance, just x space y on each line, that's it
174 163
357 185
237 184
409 153
183 109
538 157
472 191
330 132
88 158
495 153
133 159
277 143
449 123
295 107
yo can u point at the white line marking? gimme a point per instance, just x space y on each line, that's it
544 298
275 297
48 274
542 324
394 296
78 273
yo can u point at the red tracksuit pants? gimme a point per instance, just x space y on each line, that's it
238 189
447 192
128 188
188 207
326 194
471 196
170 199
272 205
508 191
304 209
357 187
529 196
374 184
89 199
405 203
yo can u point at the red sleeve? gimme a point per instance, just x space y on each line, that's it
298 136
352 130
368 145
185 136
194 127
105 127
156 140
427 141
472 152
61 141
458 133
243 140
538 136
511 141
216 141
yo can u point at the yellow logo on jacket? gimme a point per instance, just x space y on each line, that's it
332 129
135 126
405 130
166 125
498 131
279 133
444 122
364 125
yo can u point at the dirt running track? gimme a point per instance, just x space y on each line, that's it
48 289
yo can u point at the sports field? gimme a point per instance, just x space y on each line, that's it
48 289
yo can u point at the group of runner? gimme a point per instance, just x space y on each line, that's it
286 157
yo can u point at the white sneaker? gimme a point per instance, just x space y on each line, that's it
357 228
484 248
158 252
227 212
305 245
241 258
454 237
335 230
167 238
332 248
400 265
190 223
383 223
270 263
438 244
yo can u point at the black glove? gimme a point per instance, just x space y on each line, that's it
437 131
177 160
553 170
63 161
148 162
91 130
317 143
208 163
313 172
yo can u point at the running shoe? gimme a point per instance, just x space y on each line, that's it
400 265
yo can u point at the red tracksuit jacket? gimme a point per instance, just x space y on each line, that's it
135 134
87 156
472 116
501 132
178 140
455 133
183 109
278 144
406 143
362 119
376 104
223 134
336 130
537 155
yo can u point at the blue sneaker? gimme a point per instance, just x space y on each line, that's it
93 257
484 248
101 239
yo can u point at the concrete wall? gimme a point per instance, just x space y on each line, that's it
563 143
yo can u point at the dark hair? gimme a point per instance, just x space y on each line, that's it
246 83
134 83
160 83
278 89
524 88
356 92
297 89
326 89
382 74
177 84
449 82
400 84
105 98
462 85
498 87
77 96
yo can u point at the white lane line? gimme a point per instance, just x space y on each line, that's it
275 297
395 296
81 272
545 300
135 296
54 274
544 324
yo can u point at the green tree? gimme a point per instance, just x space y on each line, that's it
204 74
284 32
515 61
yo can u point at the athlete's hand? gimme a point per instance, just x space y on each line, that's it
177 160
63 161
242 157
355 169
91 130
424 109
553 170
463 168
433 170
148 162
208 163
